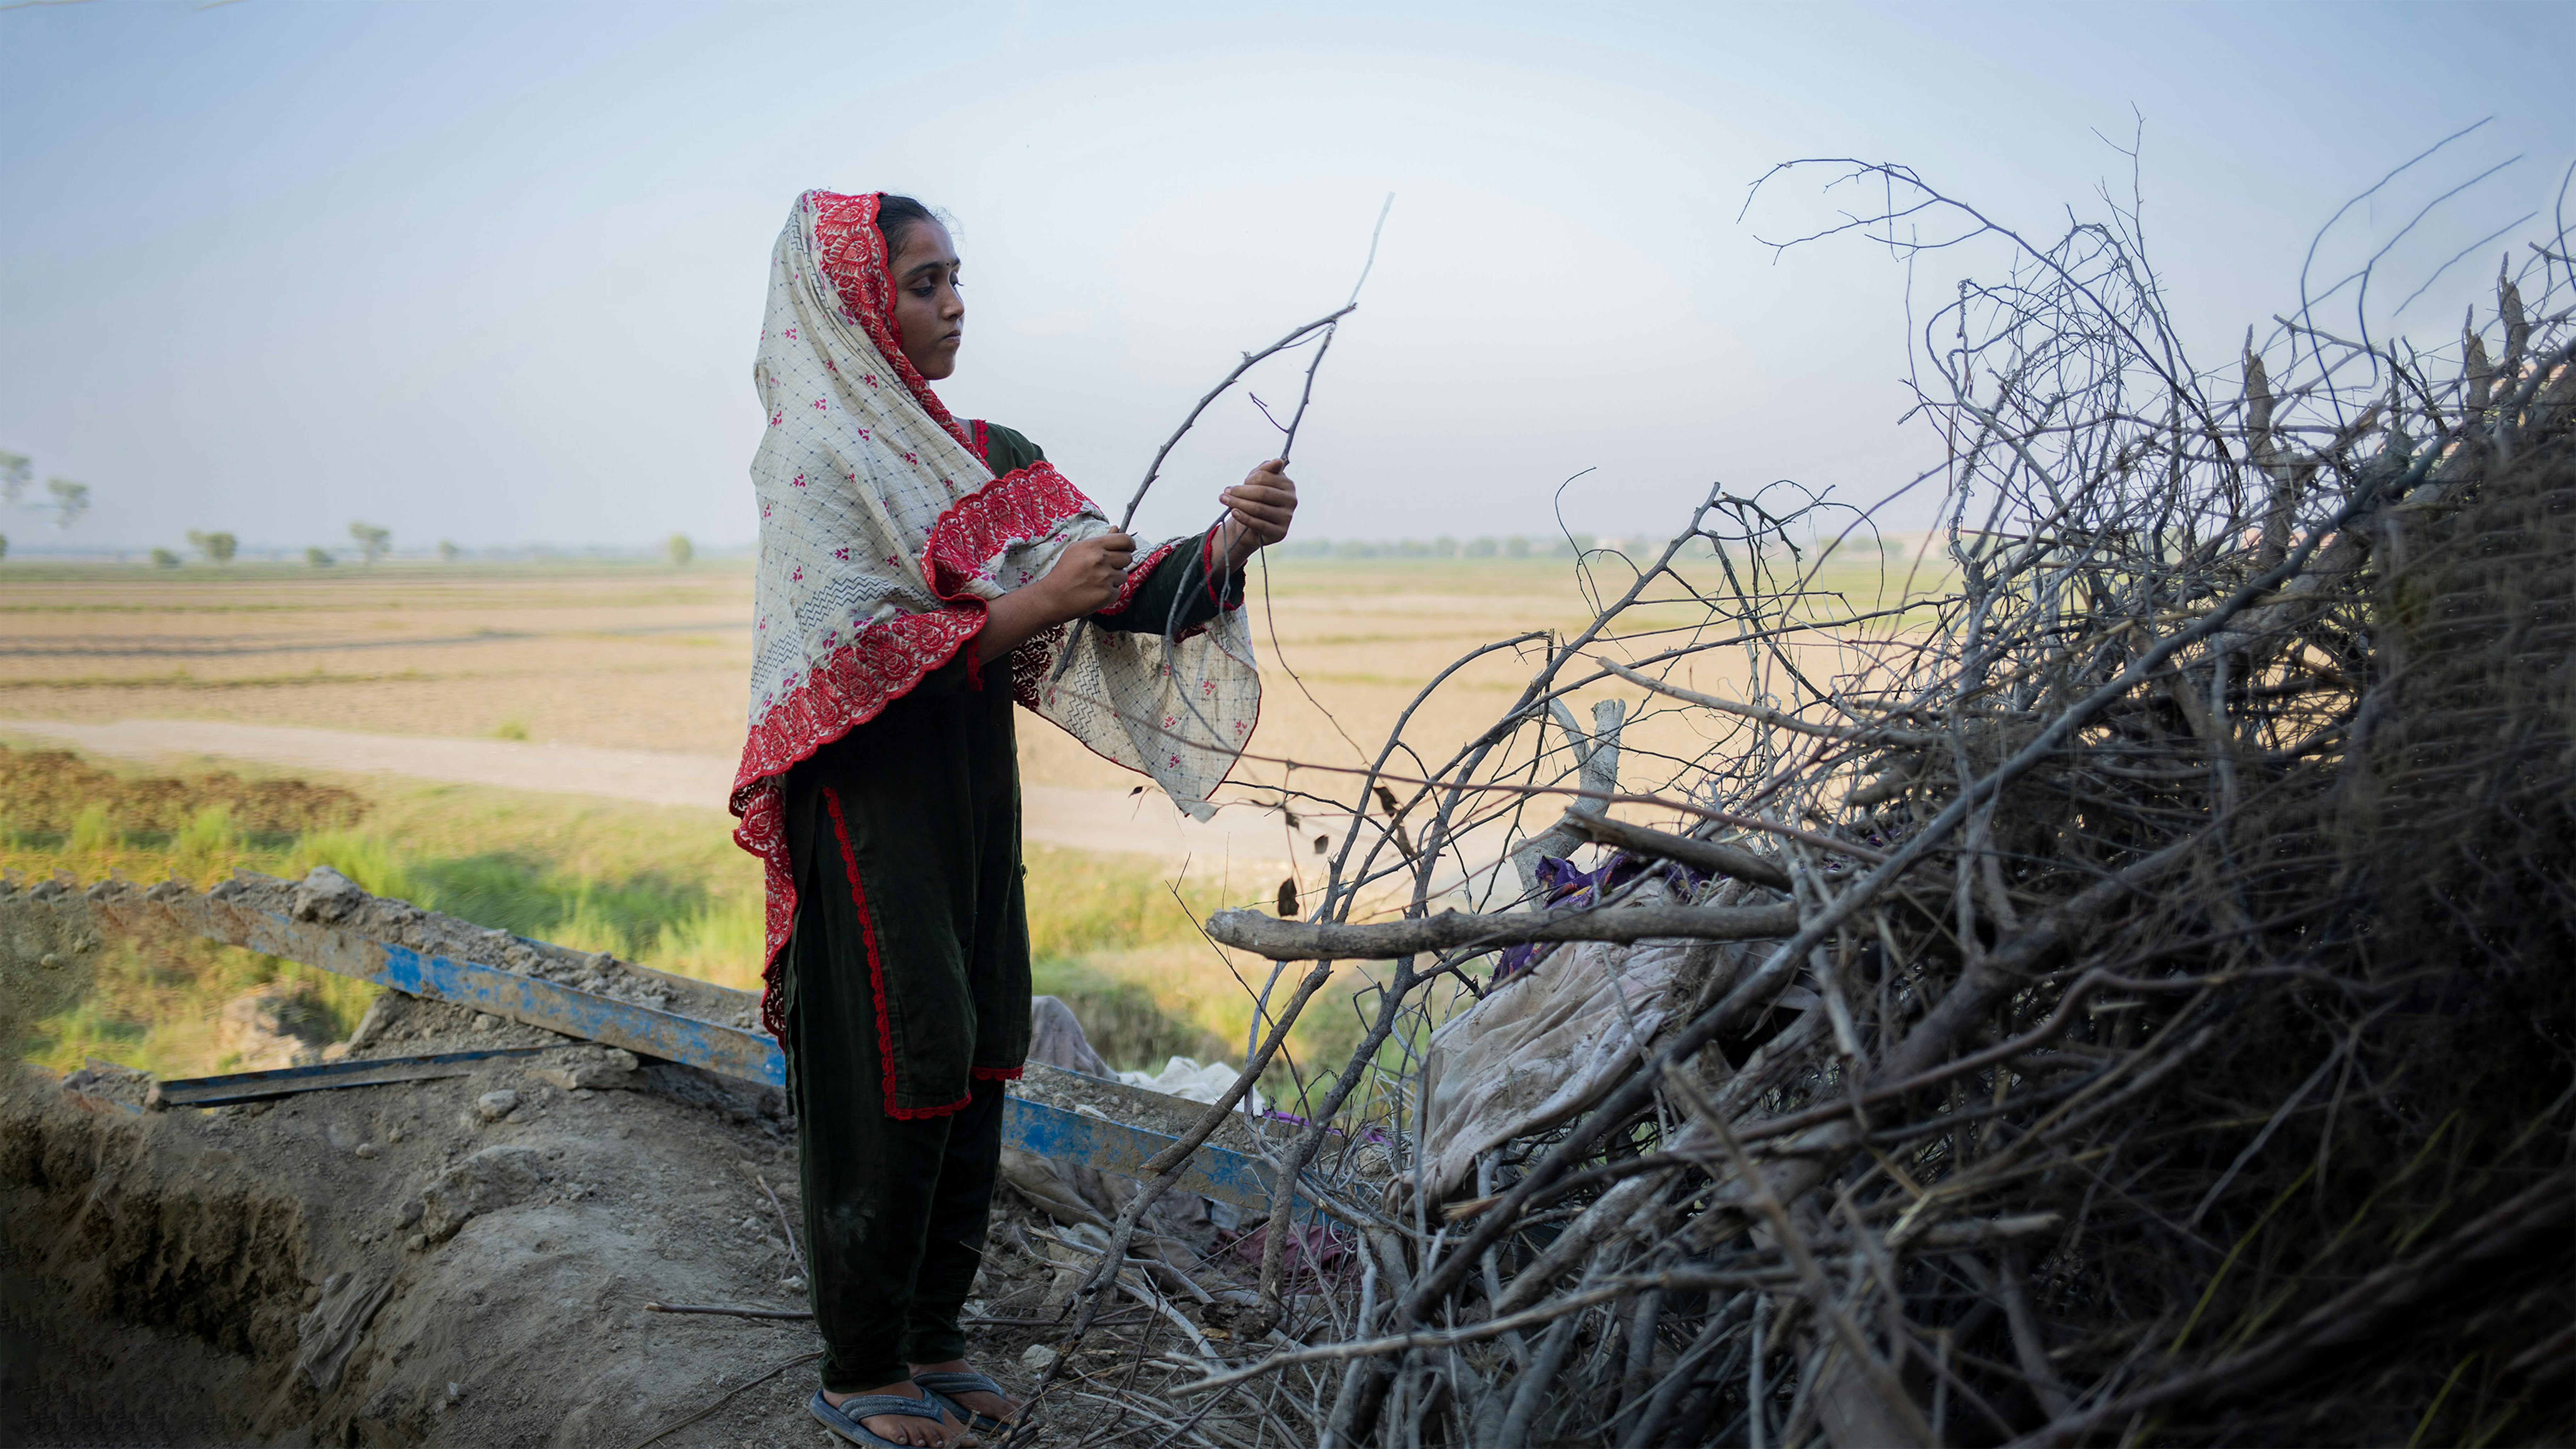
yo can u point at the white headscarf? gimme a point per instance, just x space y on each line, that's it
883 533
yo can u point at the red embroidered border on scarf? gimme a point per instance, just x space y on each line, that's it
1021 505
876 973
853 255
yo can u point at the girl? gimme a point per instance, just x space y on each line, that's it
917 575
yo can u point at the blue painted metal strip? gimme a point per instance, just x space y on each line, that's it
1030 1125
751 1056
1115 1147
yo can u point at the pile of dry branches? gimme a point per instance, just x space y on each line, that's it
2124 982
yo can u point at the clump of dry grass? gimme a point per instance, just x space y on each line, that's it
52 790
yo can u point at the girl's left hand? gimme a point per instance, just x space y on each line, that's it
1259 510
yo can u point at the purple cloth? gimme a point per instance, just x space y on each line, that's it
1568 887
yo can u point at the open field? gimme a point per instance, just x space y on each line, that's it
634 657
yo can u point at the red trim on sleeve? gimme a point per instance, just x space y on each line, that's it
876 973
997 1074
1214 583
1137 573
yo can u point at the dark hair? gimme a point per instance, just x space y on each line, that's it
897 215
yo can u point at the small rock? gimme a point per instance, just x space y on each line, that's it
594 1068
792 1283
50 961
486 1021
417 1242
393 1134
363 1149
492 1179
1039 1358
324 895
409 1213
493 1106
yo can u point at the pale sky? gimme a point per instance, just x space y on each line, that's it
493 273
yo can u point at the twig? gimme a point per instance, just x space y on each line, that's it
725 1398
729 1310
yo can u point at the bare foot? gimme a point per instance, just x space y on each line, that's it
993 1405
904 1428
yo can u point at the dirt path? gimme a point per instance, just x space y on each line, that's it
1098 820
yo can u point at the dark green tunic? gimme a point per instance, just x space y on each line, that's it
906 989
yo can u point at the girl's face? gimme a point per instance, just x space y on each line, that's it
927 310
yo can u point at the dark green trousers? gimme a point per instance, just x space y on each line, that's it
907 998
908 1003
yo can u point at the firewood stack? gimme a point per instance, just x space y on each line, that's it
2122 994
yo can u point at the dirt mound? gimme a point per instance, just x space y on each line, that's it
467 1260
458 1261
50 789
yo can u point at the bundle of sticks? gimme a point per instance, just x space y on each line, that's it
2112 985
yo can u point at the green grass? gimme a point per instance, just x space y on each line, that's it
1109 934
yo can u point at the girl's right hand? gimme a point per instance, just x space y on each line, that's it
1087 578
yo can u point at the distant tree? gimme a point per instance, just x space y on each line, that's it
1444 546
163 558
373 542
4 545
71 500
320 558
1483 547
680 549
217 547
16 472
447 551
1516 547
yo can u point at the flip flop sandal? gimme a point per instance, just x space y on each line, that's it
843 1419
943 1388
